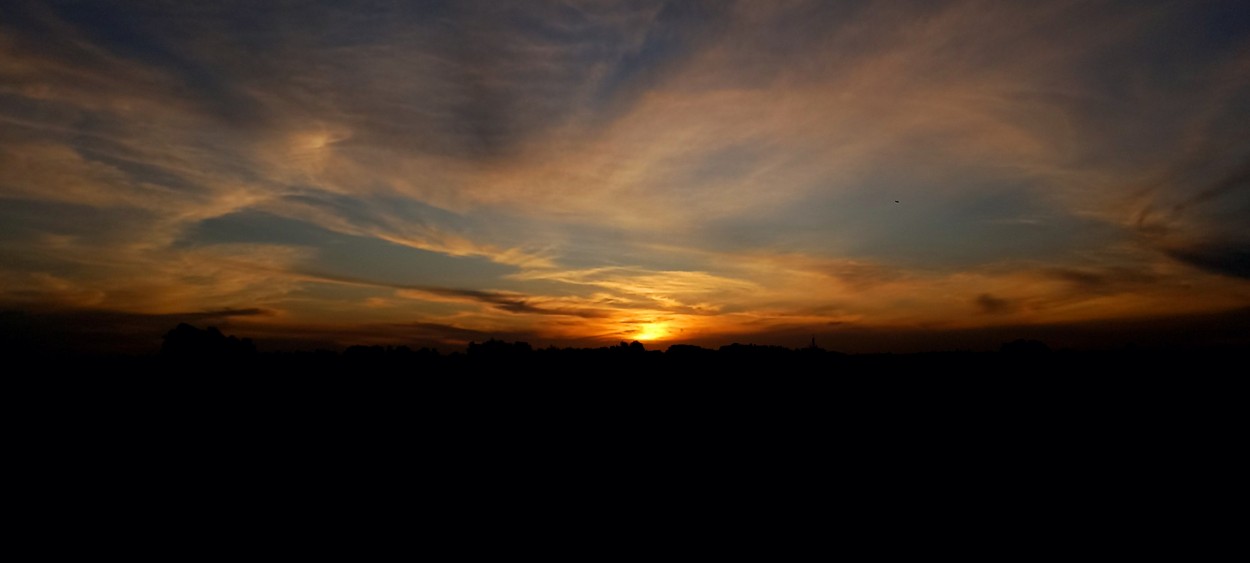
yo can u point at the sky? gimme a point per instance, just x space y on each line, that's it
877 175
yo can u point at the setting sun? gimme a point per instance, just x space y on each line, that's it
653 331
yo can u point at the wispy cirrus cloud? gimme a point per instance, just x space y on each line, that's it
650 169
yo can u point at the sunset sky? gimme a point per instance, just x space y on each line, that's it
879 175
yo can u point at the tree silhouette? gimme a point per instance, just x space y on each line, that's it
186 342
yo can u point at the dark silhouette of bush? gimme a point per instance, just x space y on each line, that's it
188 343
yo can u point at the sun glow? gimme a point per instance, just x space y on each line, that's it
653 331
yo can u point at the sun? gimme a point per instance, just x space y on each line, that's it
652 331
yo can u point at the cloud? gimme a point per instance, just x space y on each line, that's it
1238 179
990 305
683 291
1220 257
509 302
1103 280
617 169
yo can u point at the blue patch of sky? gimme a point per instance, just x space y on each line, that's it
160 38
27 220
352 256
571 246
137 170
382 211
926 228
26 225
675 33
1174 49
319 298
101 138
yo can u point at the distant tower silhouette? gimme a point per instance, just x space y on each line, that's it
812 346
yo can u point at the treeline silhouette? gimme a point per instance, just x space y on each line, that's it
203 386
224 380
188 348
